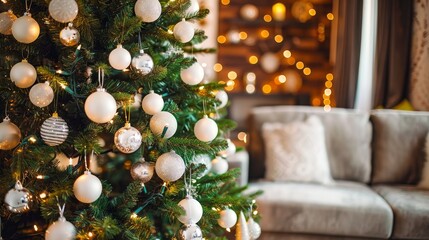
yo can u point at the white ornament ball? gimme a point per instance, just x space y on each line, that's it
183 31
54 130
219 165
25 29
203 159
69 36
254 229
162 120
119 58
18 199
227 219
193 211
229 150
61 230
152 103
63 10
100 106
143 63
192 75
205 129
195 7
190 232
148 10
249 12
87 188
10 135
6 21
128 139
270 62
41 94
23 74
222 97
170 167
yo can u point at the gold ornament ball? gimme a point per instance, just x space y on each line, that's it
25 29
10 135
6 22
23 74
69 36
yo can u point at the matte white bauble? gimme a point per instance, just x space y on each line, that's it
184 31
193 211
203 159
227 219
193 8
6 21
23 74
119 58
25 29
41 94
10 135
270 62
63 10
100 106
222 97
163 120
205 129
148 10
192 75
170 166
219 165
229 150
254 229
249 12
152 103
87 188
61 230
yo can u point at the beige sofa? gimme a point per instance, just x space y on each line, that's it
376 160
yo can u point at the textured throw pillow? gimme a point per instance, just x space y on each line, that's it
296 151
424 182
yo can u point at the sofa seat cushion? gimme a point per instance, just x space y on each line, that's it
342 208
411 210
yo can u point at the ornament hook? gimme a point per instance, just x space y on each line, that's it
101 77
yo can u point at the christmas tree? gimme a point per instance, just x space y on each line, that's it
108 127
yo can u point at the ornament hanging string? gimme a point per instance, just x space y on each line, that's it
140 41
86 162
28 7
204 106
127 112
101 77
5 111
26 50
188 185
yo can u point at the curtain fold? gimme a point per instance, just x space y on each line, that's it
392 57
348 51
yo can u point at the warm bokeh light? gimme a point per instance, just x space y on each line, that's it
291 61
307 71
329 77
326 101
250 77
264 33
300 65
327 108
328 92
253 59
267 18
217 67
278 38
325 97
221 82
243 35
316 102
232 75
230 83
266 89
221 39
250 88
229 88
242 136
282 78
328 84
330 16
287 54
312 12
279 12
43 195
225 2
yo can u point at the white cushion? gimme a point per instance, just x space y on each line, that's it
296 151
424 181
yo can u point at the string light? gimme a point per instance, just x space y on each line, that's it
221 39
242 35
217 67
267 18
282 78
306 71
330 16
232 75
300 65
225 2
287 54
250 88
328 92
264 33
312 12
253 59
36 228
43 195
278 38
266 89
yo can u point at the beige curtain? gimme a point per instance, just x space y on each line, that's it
419 66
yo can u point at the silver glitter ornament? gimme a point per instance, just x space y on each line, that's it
143 63
54 130
190 232
128 139
18 199
69 36
142 171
